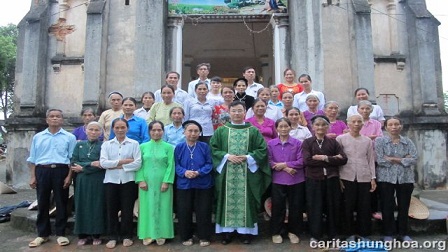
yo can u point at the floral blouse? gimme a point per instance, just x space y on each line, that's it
220 116
391 172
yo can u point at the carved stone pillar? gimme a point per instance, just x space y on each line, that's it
393 27
95 54
175 28
280 24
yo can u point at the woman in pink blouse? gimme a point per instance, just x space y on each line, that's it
371 127
337 127
265 125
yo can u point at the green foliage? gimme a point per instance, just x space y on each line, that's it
8 49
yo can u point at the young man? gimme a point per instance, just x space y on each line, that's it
202 70
172 79
49 162
252 86
242 175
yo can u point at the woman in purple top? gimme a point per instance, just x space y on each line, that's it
337 127
265 125
312 101
87 115
288 182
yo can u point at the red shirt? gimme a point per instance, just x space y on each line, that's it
294 89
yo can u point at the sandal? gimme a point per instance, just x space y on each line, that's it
111 244
63 241
82 242
148 241
37 242
127 242
204 243
97 242
188 242
160 241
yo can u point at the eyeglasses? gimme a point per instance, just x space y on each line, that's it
239 111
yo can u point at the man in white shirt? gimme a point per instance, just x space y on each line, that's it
252 88
172 79
202 70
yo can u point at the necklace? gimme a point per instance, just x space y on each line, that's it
91 146
320 144
191 150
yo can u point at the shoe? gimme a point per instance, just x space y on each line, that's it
148 241
82 242
277 239
38 241
406 238
160 241
188 242
63 241
111 244
377 215
294 239
388 239
246 239
227 239
97 242
204 243
127 242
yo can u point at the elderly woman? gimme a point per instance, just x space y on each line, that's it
357 178
288 182
121 158
272 112
173 133
137 130
115 100
155 181
300 98
91 213
312 102
265 125
396 155
194 185
322 157
87 115
362 94
371 127
337 127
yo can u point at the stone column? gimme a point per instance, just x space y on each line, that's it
424 57
305 22
393 27
363 63
95 54
149 47
186 71
175 28
280 23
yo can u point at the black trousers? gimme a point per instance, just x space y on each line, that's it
120 197
323 196
199 200
295 196
51 179
356 197
403 193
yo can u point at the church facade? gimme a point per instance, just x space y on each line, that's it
72 53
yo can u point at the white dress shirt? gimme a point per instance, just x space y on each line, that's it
112 152
253 88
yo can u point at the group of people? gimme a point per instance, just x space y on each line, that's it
223 150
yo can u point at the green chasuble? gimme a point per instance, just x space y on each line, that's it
89 191
155 219
238 191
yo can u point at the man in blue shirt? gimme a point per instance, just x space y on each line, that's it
49 162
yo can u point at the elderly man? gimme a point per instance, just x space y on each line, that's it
49 161
172 79
242 175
